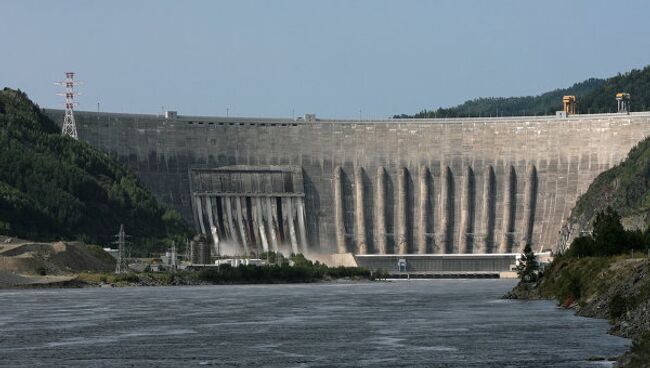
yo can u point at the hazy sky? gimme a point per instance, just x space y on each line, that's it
332 58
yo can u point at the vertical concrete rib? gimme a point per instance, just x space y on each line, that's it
362 245
467 212
338 210
530 204
231 221
402 211
272 224
285 221
380 210
447 211
423 210
259 216
199 212
242 225
276 208
253 229
300 213
219 218
292 227
213 227
224 219
509 206
488 211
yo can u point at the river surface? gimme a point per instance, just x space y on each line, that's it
432 323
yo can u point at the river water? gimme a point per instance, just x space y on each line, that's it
432 323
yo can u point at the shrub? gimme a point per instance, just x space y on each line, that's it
608 238
127 277
618 306
571 287
582 246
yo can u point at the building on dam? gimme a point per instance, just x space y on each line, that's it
370 187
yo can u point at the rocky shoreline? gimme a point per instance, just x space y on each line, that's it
612 288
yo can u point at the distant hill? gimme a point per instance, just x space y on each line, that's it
56 188
635 82
594 96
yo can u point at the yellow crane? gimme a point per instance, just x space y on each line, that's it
623 102
569 105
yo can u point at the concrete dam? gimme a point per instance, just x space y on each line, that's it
412 186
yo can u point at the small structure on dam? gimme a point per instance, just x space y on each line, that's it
375 187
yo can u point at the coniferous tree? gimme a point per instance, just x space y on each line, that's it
528 268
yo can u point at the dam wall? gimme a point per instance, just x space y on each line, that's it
443 186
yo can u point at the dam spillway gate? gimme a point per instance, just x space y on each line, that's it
251 208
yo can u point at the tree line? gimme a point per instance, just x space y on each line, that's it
593 96
609 238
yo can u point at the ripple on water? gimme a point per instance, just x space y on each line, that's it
448 323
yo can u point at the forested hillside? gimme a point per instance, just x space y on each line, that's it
593 95
625 188
635 82
53 187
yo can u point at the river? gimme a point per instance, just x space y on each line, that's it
433 323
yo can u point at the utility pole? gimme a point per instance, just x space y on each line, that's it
121 264
69 126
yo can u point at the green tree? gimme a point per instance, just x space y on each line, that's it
609 234
582 246
528 267
608 238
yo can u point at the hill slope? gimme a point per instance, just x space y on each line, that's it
53 187
594 96
625 187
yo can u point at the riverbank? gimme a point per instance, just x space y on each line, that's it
612 288
209 276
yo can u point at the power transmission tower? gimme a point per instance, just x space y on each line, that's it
69 126
173 262
121 265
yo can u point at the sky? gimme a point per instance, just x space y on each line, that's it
335 58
